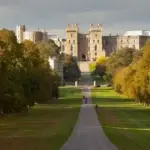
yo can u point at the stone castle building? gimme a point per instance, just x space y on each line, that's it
34 36
87 46
91 45
84 46
131 39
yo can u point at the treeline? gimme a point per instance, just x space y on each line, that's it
25 74
130 72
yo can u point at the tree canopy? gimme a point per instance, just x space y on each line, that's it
25 77
133 79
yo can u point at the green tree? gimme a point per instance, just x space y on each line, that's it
48 49
119 59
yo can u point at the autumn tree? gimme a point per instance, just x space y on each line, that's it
134 80
25 76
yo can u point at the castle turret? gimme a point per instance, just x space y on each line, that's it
95 41
20 29
72 40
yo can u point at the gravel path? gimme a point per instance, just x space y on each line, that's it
87 133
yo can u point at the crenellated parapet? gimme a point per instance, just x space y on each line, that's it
93 27
72 28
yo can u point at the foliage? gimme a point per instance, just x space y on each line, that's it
134 80
71 69
101 60
92 66
99 67
118 59
25 77
48 49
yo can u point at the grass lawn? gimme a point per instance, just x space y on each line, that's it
47 127
126 123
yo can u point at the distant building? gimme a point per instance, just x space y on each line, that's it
20 29
137 33
136 42
35 36
57 63
131 39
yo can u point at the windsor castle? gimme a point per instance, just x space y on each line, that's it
87 46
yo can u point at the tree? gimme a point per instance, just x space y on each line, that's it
71 70
99 68
48 49
119 59
25 76
134 80
101 60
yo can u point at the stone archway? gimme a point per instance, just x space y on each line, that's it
84 57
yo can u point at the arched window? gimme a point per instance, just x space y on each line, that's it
63 48
71 48
95 47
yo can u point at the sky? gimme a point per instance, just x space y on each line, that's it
116 16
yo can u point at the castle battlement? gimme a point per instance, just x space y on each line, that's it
93 27
72 27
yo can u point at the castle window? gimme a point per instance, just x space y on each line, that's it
95 54
96 35
71 48
73 41
98 41
93 41
69 41
63 48
95 47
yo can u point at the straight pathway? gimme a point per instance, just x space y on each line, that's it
88 133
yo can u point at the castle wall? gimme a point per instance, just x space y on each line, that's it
83 47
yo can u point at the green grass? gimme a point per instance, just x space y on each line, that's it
47 127
126 123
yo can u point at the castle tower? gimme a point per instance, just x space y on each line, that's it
20 29
71 47
95 42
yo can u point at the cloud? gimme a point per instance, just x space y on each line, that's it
115 15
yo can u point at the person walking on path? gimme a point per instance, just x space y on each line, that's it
86 100
83 99
88 133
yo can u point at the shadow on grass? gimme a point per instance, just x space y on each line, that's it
65 101
111 100
124 121
104 89
46 127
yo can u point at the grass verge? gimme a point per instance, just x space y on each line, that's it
47 127
125 123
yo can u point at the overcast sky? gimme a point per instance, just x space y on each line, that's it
115 15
